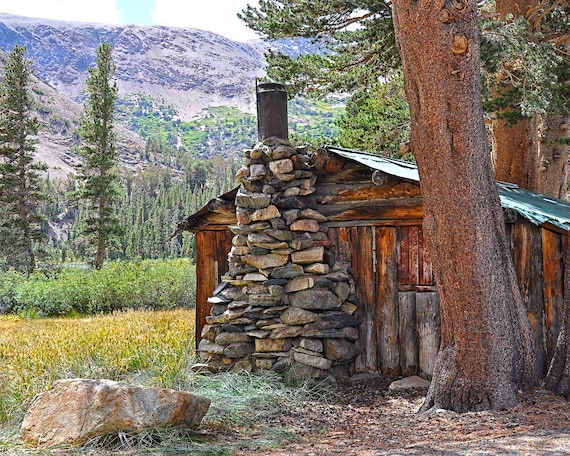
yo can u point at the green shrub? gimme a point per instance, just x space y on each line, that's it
149 284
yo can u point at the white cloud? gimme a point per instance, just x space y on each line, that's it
67 10
219 16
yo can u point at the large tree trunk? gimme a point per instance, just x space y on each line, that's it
516 155
554 155
486 352
558 376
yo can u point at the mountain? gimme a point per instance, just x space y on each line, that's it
189 69
192 89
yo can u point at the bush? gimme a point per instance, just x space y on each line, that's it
149 284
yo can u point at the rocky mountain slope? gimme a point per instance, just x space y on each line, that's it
187 68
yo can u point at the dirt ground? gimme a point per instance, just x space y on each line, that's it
363 418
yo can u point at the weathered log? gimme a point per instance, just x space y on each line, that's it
553 288
408 336
387 297
529 268
427 327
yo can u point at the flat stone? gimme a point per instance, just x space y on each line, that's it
314 345
313 361
281 235
210 332
324 333
293 191
254 277
76 410
286 331
209 346
216 319
283 151
299 283
258 333
257 170
348 307
287 272
268 213
227 338
317 268
312 214
272 345
282 166
340 349
413 382
252 200
302 242
308 256
238 350
297 316
290 216
270 260
275 290
264 300
342 290
315 299
309 225
333 320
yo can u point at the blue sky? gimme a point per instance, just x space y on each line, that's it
216 15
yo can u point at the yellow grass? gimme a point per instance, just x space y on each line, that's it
152 348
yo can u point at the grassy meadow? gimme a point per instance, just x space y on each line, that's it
151 347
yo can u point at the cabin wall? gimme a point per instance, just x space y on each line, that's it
212 249
399 303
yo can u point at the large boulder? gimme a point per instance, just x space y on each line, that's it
75 410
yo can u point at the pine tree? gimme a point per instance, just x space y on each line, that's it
99 190
20 186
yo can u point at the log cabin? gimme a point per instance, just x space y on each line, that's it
373 210
364 218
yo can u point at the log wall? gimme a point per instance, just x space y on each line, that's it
399 304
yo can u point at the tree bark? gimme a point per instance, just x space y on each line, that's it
516 155
554 155
486 352
558 376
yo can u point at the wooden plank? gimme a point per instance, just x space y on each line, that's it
426 271
360 243
403 265
414 257
553 263
206 277
428 330
342 245
384 222
387 298
527 241
407 333
370 211
352 192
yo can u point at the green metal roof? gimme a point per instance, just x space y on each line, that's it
537 208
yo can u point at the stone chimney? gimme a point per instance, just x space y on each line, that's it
284 304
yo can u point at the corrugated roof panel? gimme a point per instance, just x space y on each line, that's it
535 207
399 168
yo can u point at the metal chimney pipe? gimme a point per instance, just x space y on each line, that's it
272 111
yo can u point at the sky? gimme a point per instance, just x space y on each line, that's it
215 15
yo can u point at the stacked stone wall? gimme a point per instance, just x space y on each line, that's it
285 304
